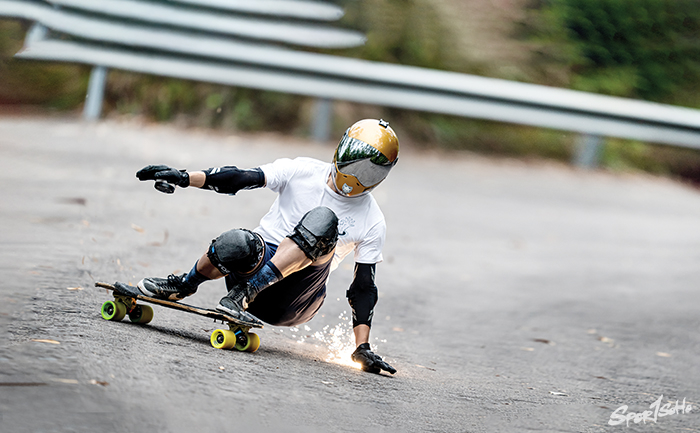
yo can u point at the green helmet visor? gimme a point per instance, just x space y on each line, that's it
356 158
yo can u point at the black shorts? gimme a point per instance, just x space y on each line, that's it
292 301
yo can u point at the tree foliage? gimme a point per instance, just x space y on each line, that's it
647 49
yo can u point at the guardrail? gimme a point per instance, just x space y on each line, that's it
218 58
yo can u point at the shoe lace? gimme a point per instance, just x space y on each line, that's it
176 281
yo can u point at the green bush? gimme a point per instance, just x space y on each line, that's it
644 49
647 49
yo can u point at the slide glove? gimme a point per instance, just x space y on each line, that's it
164 175
370 361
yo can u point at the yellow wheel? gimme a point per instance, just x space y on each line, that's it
141 314
113 310
252 343
223 339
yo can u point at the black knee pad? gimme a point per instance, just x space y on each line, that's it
317 232
237 251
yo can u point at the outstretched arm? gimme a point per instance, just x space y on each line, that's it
362 296
226 180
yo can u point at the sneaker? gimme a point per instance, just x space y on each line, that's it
235 303
172 288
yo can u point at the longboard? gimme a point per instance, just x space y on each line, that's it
238 336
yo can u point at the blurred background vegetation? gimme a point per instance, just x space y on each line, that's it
645 49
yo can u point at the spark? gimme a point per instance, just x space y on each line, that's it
340 341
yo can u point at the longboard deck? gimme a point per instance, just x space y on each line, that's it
133 292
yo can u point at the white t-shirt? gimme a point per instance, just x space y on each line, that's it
302 185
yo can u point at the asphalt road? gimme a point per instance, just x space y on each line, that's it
514 296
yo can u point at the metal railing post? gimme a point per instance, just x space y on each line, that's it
37 32
588 150
95 93
323 115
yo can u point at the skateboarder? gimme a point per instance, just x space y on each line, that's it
323 212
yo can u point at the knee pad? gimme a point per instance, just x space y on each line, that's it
317 232
237 251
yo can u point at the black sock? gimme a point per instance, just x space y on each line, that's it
194 278
267 276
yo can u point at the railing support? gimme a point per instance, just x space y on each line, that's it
37 32
588 150
95 93
323 115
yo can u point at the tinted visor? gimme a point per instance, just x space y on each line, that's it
356 158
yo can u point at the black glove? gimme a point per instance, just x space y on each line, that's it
165 173
370 361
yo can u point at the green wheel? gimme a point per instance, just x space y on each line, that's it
251 345
223 339
141 314
113 310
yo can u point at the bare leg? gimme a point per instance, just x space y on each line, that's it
206 268
288 259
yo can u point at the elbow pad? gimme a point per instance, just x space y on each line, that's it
362 294
231 179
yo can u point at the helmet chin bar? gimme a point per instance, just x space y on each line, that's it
348 185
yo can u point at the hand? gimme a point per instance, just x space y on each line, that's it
165 173
371 362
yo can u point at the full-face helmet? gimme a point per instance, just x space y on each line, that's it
364 157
